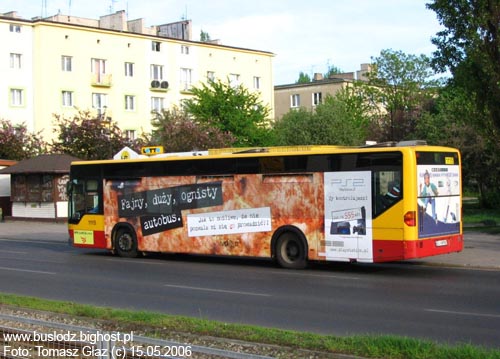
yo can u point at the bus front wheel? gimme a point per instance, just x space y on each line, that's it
291 251
126 243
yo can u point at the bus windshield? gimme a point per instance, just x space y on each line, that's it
83 198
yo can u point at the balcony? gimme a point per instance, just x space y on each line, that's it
101 80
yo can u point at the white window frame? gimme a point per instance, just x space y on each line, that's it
130 134
100 102
186 75
256 82
129 69
16 97
15 61
129 103
15 28
67 63
156 72
98 66
157 104
156 46
67 98
317 98
295 100
234 80
185 49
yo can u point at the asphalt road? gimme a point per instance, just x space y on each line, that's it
445 304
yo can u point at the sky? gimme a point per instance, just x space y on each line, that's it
305 36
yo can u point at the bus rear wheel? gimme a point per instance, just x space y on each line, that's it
126 243
291 251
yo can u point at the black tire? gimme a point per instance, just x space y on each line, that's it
126 243
291 251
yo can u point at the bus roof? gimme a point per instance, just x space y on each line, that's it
271 151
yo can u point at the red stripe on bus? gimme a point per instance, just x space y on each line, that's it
386 251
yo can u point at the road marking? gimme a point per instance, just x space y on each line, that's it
55 241
295 274
26 270
488 315
217 290
133 260
13 252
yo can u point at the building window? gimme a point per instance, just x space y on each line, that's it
155 46
98 66
185 50
186 78
156 104
129 69
157 72
16 97
15 28
317 98
67 98
295 100
66 63
15 61
210 76
130 134
234 80
100 102
129 102
256 83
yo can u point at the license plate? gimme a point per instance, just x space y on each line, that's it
441 243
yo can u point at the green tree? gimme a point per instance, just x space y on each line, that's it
341 119
177 132
447 123
204 36
89 138
231 109
469 47
332 70
17 143
303 78
402 84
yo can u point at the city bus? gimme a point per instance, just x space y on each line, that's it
379 203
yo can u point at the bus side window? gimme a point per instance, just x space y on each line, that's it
387 190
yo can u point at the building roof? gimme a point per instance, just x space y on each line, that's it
7 163
42 164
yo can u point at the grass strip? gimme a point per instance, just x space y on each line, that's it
369 346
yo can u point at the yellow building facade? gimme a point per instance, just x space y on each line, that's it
117 69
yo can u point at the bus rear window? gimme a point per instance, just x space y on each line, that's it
437 158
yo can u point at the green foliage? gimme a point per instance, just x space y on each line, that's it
89 138
177 132
204 36
332 70
287 343
16 143
231 109
339 120
402 83
303 78
469 47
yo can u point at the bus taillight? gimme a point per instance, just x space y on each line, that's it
410 218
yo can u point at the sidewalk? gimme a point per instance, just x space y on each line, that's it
481 250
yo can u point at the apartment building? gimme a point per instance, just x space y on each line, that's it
16 67
118 69
308 95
